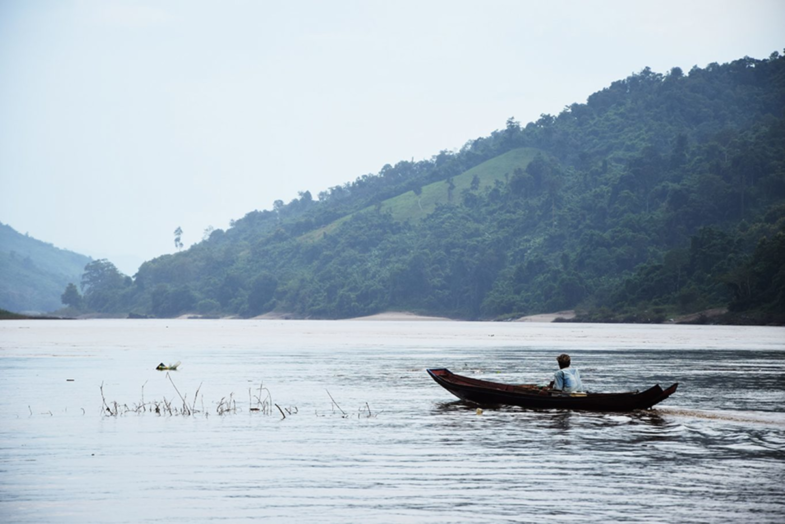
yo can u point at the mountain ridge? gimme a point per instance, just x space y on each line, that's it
33 273
671 179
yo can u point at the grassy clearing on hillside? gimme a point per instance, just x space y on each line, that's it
410 206
316 234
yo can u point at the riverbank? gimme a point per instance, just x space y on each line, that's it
713 316
403 316
549 317
10 315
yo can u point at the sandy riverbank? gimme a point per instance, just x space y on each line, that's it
406 316
388 315
272 315
400 315
694 317
548 317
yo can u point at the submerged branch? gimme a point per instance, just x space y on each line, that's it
225 406
336 404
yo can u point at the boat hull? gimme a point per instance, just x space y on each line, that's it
485 392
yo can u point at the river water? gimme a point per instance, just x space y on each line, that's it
391 445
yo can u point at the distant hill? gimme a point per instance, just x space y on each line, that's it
34 274
662 195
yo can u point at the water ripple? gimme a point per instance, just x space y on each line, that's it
713 453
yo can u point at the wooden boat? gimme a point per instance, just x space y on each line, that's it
485 392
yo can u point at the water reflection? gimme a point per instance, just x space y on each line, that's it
448 407
561 421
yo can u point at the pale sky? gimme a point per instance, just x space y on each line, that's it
120 121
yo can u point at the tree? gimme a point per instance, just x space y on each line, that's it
520 182
679 153
450 188
676 262
260 299
71 296
178 233
418 192
512 129
305 197
760 282
102 285
207 232
100 274
645 170
168 302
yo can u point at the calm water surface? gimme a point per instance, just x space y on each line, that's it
397 448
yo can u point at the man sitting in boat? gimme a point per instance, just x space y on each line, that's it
567 379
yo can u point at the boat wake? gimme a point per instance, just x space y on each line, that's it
757 417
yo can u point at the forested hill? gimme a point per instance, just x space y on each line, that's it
662 194
33 274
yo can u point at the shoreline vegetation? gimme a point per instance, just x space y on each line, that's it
714 316
659 200
10 315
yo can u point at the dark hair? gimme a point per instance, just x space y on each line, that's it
563 360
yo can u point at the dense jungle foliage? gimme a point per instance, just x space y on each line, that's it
661 195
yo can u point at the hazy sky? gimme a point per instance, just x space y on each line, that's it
120 121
